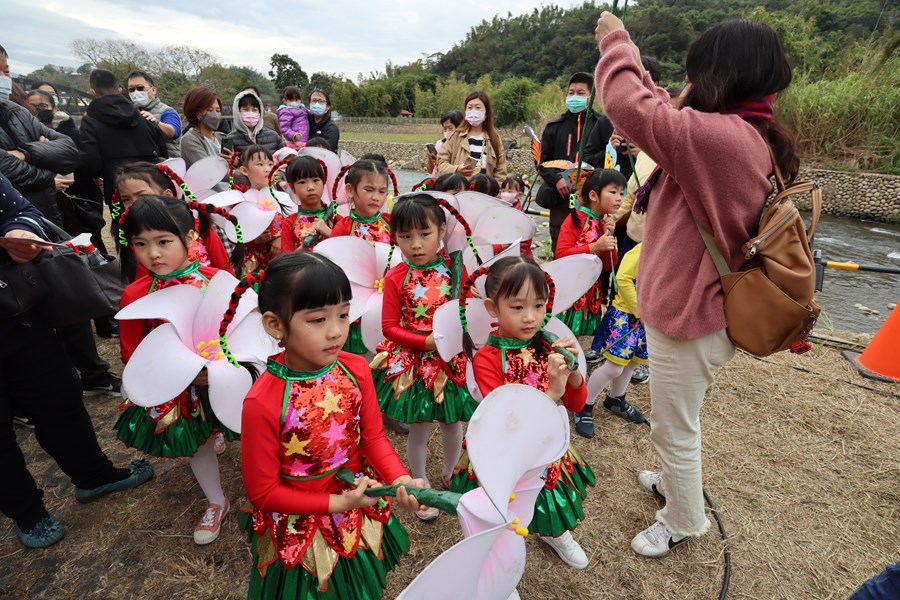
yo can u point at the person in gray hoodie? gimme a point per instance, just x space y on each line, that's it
248 125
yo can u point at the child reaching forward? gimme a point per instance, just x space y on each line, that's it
158 230
313 412
302 231
586 231
517 296
414 385
293 118
620 339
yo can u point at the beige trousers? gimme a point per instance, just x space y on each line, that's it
680 373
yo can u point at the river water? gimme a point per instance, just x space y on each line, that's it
840 239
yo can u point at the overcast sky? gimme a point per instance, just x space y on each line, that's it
336 37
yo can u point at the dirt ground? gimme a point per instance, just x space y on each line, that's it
800 456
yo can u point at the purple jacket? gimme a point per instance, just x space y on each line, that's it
293 121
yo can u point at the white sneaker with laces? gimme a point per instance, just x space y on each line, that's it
568 549
652 482
656 541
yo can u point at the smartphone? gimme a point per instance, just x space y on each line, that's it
431 149
472 162
228 144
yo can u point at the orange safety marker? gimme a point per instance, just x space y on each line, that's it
881 358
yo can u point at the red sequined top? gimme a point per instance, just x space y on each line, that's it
411 295
297 432
376 229
297 231
133 331
494 366
572 240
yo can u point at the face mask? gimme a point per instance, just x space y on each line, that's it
447 134
211 120
5 87
45 116
475 117
317 108
576 104
250 119
295 104
141 99
508 197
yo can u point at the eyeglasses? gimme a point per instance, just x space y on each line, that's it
137 88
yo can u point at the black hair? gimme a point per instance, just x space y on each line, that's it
364 167
250 100
651 65
416 211
321 91
450 181
291 92
154 213
598 180
41 93
379 158
737 60
582 77
135 74
454 116
252 151
38 84
3 52
301 281
513 181
103 82
304 167
319 142
485 184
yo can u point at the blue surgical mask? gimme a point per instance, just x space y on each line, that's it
296 104
5 87
576 104
318 109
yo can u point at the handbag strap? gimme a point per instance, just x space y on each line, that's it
711 247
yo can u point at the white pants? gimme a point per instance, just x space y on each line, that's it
680 373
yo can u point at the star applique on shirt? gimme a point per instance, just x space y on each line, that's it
334 434
444 289
419 291
330 403
528 357
420 310
295 447
620 321
363 230
442 270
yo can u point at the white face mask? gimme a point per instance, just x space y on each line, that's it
475 117
141 99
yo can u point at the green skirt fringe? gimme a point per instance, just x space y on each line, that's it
416 404
354 341
362 577
581 322
182 438
555 511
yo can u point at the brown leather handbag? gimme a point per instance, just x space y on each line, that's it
770 302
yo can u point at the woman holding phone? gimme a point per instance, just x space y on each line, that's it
475 146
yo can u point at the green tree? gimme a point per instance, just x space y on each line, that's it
511 101
286 71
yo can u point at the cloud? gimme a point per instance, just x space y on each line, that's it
349 38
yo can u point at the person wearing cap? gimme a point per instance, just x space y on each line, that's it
562 140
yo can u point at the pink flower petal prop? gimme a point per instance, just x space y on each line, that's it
354 256
346 158
160 368
371 322
228 385
332 163
503 225
204 174
448 334
213 304
252 220
178 165
226 199
359 300
573 275
249 342
176 304
489 258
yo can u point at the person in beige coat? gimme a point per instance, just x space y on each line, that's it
475 146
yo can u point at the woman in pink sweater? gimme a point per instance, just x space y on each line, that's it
714 168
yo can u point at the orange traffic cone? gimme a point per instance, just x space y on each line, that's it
881 358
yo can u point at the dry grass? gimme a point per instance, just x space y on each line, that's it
801 456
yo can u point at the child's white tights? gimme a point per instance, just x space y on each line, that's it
417 447
616 376
205 465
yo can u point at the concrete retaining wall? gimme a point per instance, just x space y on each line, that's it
871 196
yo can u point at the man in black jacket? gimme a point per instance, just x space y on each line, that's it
561 140
113 133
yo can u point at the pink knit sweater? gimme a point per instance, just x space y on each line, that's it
716 167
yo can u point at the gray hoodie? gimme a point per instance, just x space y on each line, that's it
243 137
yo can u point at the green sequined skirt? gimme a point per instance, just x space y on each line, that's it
362 577
556 510
581 322
354 341
181 438
416 404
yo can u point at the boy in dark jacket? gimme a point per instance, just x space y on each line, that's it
561 140
113 132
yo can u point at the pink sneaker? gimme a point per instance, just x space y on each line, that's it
210 524
219 442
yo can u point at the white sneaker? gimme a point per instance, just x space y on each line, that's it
656 541
568 549
652 482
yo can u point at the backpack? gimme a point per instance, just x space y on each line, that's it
770 302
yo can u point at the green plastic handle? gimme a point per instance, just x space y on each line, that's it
444 501
571 359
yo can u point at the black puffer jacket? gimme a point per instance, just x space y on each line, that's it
326 128
113 132
33 177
